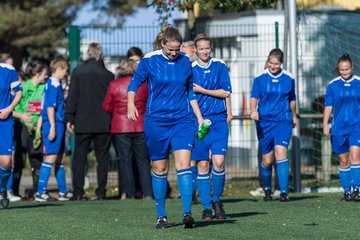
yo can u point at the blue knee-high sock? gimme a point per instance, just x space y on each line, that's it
10 180
184 177
44 175
355 176
4 177
203 181
345 179
266 173
194 176
218 183
60 177
283 174
159 185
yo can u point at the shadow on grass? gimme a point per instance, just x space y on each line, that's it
234 200
37 205
244 214
299 198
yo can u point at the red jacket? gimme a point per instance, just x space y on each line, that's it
116 102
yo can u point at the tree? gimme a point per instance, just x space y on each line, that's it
165 7
36 29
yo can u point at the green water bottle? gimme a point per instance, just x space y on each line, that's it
204 129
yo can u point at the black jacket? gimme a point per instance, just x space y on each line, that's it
88 86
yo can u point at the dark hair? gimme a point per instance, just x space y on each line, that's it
201 36
344 58
276 53
134 51
33 68
94 51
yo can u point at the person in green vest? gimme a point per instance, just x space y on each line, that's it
27 127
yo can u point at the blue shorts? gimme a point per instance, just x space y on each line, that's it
216 140
273 133
176 136
342 144
57 146
6 136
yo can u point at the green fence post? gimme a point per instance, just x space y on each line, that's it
277 34
74 46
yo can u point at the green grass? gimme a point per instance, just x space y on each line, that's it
315 216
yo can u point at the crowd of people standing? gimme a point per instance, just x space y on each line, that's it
153 106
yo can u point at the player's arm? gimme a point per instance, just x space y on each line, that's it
219 93
195 106
132 112
254 114
5 112
293 112
51 115
327 114
228 110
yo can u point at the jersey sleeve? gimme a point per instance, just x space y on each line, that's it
51 96
292 96
15 84
329 100
255 91
189 86
225 83
140 76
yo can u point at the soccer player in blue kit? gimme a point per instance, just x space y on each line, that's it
169 119
273 107
53 131
212 87
343 99
9 84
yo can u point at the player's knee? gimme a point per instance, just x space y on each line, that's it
203 167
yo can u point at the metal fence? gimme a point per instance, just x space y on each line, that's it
244 48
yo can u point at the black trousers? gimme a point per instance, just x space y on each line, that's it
101 147
131 147
24 146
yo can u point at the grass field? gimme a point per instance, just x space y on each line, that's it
315 216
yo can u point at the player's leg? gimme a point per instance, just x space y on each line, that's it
282 135
60 175
354 143
340 145
194 172
204 187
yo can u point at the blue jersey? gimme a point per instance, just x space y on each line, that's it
274 94
344 97
53 97
169 84
212 76
9 84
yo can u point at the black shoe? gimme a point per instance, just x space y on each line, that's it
356 196
347 197
219 210
4 201
43 197
207 215
161 222
268 197
284 197
188 220
77 197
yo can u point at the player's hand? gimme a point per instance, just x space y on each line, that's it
229 117
132 112
295 122
326 129
254 115
26 118
197 88
200 122
70 127
37 139
4 113
52 134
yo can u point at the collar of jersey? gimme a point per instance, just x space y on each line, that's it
206 65
274 76
349 80
55 79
